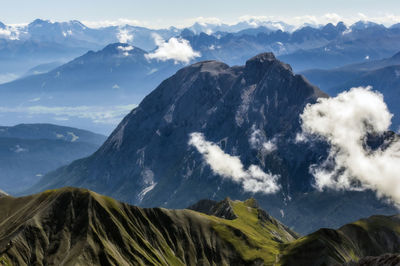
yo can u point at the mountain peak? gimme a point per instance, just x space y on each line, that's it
39 22
257 66
222 209
263 57
223 103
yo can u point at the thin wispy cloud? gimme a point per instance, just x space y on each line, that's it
345 122
125 49
258 140
115 23
253 179
97 114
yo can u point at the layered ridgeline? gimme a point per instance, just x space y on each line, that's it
154 159
116 72
29 151
78 227
383 75
94 90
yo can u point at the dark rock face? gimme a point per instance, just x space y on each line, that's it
151 144
147 159
383 260
222 209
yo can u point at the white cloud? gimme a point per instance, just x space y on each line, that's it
7 77
344 122
10 32
5 33
124 36
176 49
98 114
253 180
258 140
203 21
125 49
118 22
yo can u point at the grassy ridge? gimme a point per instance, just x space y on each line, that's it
72 226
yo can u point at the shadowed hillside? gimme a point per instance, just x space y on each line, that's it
71 226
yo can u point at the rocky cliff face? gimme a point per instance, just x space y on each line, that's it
147 159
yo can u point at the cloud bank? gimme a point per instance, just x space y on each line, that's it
277 22
254 179
344 122
176 49
97 114
124 36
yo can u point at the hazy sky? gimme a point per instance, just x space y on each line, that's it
178 12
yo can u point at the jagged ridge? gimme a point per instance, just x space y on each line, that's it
77 226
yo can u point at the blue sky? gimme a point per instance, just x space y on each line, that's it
161 13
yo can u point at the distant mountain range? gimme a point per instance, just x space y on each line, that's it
29 151
85 91
115 78
42 42
76 226
148 159
118 74
383 75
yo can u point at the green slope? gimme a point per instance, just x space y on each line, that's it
79 227
374 236
73 226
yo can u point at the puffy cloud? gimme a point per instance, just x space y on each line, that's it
254 179
10 32
5 33
345 122
98 114
124 36
176 49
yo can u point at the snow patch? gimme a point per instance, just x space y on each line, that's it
73 136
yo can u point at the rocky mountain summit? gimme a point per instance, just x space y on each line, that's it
250 112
